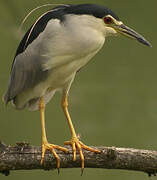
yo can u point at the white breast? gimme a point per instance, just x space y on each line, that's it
73 40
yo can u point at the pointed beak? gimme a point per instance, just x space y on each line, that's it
132 34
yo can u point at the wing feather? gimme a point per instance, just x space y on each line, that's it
27 70
26 73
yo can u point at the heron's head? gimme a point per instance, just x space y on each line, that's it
115 26
105 20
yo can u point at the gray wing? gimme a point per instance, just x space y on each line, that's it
27 69
26 73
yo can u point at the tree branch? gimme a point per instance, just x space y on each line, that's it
22 156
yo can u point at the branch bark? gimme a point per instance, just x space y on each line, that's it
22 156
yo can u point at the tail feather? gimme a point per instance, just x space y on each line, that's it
6 98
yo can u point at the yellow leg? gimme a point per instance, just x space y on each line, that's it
45 144
74 142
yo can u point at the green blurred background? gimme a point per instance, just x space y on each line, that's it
113 101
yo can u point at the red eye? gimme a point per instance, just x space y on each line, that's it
107 20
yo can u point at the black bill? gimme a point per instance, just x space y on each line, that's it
131 33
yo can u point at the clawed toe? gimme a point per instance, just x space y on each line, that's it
77 144
51 147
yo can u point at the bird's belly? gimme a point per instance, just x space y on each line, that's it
59 78
62 74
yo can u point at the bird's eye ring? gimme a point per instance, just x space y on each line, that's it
108 20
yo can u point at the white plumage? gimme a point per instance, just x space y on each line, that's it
66 47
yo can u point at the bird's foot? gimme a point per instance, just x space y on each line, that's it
77 144
51 148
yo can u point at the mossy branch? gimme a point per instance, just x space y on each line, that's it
22 156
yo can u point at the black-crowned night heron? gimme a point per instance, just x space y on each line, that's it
50 54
